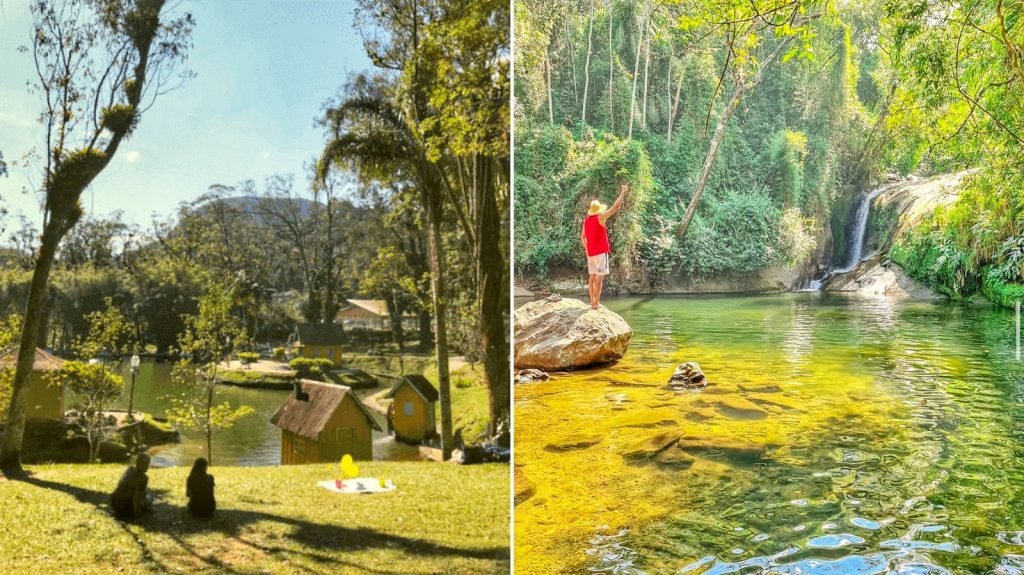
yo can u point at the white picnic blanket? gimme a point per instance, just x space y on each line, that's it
357 485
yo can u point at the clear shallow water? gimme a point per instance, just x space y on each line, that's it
839 435
253 441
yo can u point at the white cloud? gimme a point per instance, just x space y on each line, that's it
132 156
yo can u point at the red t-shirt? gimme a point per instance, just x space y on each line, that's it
597 236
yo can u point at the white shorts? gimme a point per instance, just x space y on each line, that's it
598 265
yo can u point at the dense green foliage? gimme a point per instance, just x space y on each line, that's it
639 91
790 151
311 367
963 67
247 357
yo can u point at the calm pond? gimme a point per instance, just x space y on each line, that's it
838 435
253 441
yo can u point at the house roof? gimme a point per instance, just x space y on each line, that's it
320 334
308 418
374 306
42 362
418 383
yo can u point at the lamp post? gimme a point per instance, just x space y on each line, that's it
131 397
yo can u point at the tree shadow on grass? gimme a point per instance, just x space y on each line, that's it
321 544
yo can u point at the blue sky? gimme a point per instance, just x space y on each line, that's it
263 68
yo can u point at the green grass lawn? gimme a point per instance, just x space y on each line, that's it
442 519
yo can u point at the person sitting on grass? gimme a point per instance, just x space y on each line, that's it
130 498
199 490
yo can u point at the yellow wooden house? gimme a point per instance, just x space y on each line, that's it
321 422
319 340
42 400
411 415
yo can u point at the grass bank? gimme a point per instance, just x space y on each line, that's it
441 519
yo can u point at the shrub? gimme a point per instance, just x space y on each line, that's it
247 357
311 367
279 354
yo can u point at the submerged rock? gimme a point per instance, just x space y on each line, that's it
574 442
734 407
524 488
531 375
561 333
674 457
645 449
688 376
731 447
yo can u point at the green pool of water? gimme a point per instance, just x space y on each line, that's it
838 435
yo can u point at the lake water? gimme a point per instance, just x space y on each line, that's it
838 435
253 441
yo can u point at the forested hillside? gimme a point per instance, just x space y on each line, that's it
749 130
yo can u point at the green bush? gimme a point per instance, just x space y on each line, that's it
279 354
247 357
311 367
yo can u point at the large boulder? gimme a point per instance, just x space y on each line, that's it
561 333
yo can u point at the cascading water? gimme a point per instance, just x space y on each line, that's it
859 231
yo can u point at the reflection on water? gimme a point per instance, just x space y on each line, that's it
252 441
838 435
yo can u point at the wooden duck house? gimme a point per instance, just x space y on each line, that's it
321 422
319 340
42 400
412 408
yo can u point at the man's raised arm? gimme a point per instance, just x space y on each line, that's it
618 204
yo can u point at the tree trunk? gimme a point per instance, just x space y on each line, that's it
674 108
547 70
572 58
426 333
611 73
395 313
492 281
636 76
709 160
10 452
433 202
209 426
647 69
739 89
586 69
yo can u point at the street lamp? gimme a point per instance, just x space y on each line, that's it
131 397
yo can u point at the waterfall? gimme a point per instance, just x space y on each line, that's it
860 229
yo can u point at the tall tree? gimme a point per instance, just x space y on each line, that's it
586 68
749 27
642 28
99 66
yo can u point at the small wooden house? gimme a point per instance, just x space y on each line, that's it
319 340
43 400
321 422
412 408
372 314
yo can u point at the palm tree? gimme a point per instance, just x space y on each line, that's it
369 133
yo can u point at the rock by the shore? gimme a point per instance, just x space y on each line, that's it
558 333
688 376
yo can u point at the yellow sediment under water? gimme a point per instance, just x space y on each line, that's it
837 435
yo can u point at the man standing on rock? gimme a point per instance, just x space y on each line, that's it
594 236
